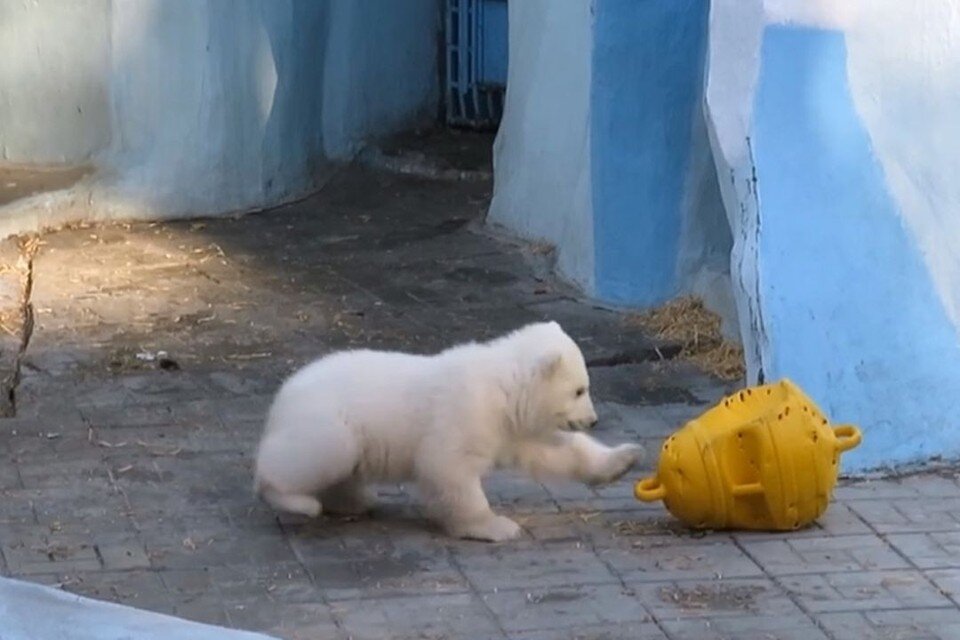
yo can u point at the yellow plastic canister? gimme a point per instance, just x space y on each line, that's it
764 458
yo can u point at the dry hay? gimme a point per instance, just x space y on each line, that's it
687 321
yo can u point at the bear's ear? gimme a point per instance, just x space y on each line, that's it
550 364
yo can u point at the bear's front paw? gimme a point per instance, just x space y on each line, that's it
494 529
620 460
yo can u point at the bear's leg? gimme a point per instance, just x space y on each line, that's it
348 497
461 507
299 503
577 456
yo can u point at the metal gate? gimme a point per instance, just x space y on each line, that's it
476 62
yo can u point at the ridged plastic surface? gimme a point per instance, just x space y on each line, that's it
765 458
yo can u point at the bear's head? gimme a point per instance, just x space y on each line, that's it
559 393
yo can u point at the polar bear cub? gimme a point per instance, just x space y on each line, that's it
359 417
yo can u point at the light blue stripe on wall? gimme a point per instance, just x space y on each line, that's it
846 299
647 82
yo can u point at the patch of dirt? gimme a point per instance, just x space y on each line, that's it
656 528
724 597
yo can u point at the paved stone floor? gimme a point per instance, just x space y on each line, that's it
139 361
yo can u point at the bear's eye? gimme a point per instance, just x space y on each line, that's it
581 391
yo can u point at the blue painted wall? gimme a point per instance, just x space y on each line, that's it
647 81
495 34
848 306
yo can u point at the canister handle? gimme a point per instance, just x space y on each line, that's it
649 490
848 437
752 489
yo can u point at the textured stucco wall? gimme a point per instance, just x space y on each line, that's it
833 126
603 149
54 68
542 181
645 109
206 106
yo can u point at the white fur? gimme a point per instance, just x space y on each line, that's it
360 417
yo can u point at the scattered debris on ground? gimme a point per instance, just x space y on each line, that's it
718 597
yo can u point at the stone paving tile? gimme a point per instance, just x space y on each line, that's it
673 560
518 492
756 627
220 548
948 581
207 608
9 474
554 527
639 527
707 598
51 555
16 506
839 520
390 575
929 550
865 591
914 624
433 616
823 555
290 621
532 565
138 588
282 582
621 631
64 473
924 485
618 491
121 552
566 492
89 501
910 515
134 486
561 608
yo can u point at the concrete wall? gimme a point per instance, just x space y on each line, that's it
207 106
645 97
54 87
835 126
380 69
542 181
603 150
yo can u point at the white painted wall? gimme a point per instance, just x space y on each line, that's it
54 93
193 107
905 77
542 153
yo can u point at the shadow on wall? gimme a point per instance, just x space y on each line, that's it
706 239
216 107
